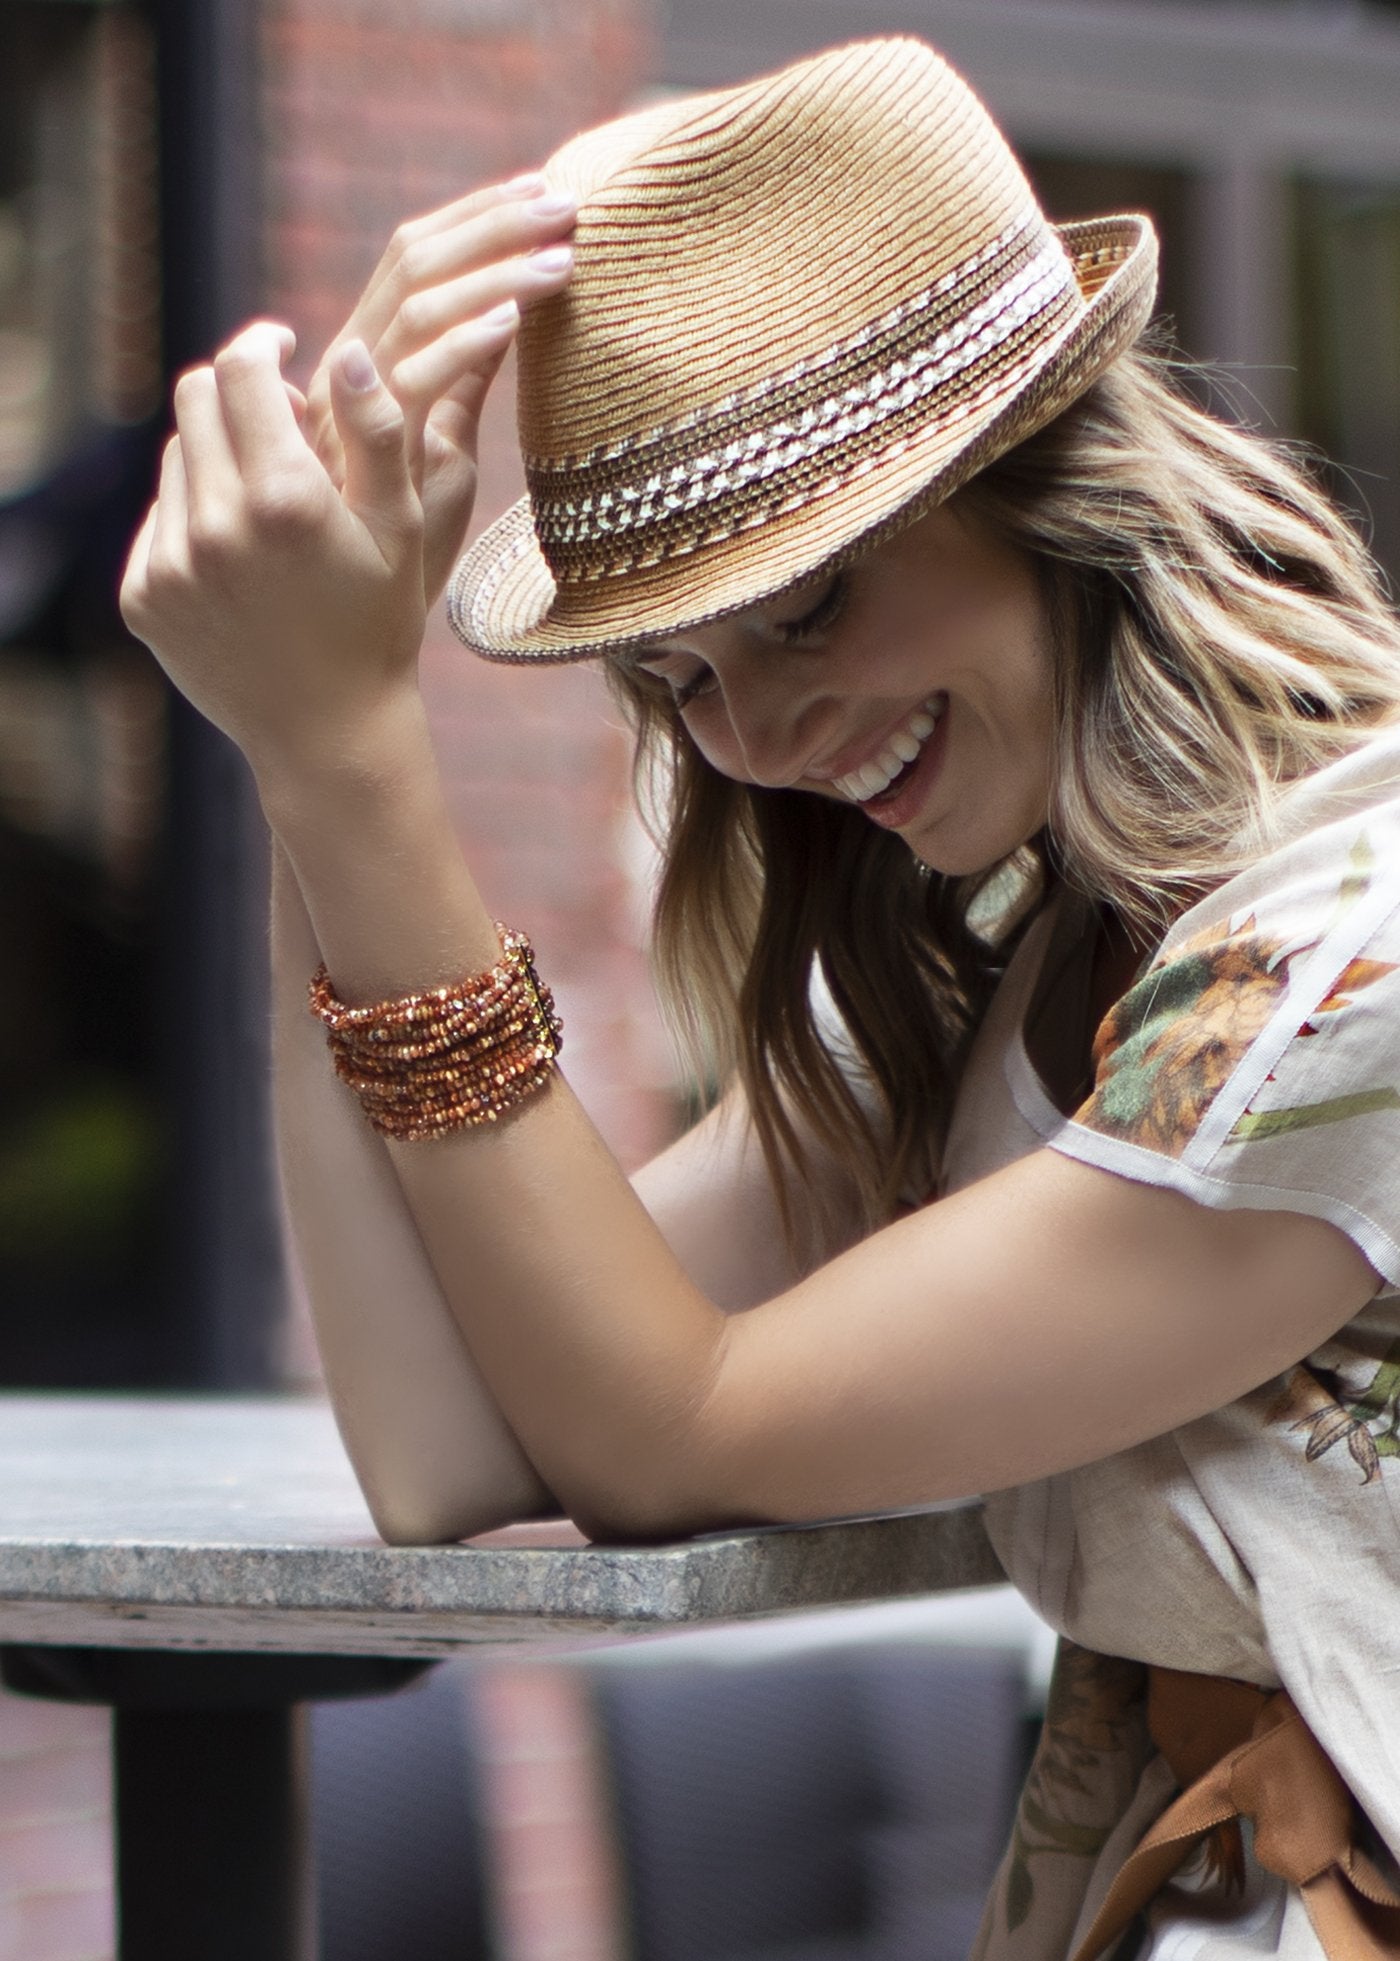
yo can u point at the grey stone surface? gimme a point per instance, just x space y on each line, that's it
236 1523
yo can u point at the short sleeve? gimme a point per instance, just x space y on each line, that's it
1256 1062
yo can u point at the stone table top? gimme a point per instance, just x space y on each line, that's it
235 1523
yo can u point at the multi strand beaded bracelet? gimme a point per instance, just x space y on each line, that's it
428 1063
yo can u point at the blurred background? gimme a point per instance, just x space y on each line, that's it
169 167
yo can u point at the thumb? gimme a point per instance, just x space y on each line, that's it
378 483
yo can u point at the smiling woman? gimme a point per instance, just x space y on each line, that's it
922 670
1027 747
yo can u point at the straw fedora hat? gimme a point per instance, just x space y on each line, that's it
803 310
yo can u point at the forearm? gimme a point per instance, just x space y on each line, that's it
598 1347
432 1452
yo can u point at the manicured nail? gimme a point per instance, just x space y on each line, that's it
556 258
556 205
525 184
357 367
501 319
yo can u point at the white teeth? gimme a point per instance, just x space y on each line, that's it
860 785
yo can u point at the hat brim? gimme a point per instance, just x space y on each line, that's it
503 602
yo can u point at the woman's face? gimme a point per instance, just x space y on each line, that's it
916 683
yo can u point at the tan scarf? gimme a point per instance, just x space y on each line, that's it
1242 1752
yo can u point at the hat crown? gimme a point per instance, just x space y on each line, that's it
802 311
723 239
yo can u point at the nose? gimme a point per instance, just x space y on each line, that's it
773 719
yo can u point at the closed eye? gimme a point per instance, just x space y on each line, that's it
806 627
698 684
672 687
817 617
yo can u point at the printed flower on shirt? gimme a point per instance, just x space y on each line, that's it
1091 1753
1165 1051
1365 1417
1168 1048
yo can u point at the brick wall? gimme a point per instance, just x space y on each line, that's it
368 122
371 114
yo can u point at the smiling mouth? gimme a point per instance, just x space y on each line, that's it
896 759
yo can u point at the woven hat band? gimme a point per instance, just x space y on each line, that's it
732 465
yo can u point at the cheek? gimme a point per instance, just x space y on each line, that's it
1039 719
709 730
1026 657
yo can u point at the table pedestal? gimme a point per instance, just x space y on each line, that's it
210 1788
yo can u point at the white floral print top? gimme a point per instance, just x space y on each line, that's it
1255 1062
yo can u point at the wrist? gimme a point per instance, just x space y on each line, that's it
369 837
350 765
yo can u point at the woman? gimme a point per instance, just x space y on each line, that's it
991 675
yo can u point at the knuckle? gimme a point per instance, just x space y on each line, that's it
385 434
130 603
281 502
415 261
213 541
405 237
190 385
258 343
416 311
405 379
231 363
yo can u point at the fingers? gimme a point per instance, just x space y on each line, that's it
460 364
170 514
510 251
199 483
436 310
517 190
450 337
504 223
161 546
501 221
257 410
379 486
136 576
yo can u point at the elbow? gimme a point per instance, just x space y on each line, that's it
404 1523
404 1516
657 1509
670 1478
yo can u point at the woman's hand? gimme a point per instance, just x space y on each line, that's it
437 316
287 607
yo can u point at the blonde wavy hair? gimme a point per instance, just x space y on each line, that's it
1219 631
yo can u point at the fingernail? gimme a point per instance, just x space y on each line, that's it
556 258
556 205
501 319
522 186
357 367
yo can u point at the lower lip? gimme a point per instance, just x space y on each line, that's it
901 803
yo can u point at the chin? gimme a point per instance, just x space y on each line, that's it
970 857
